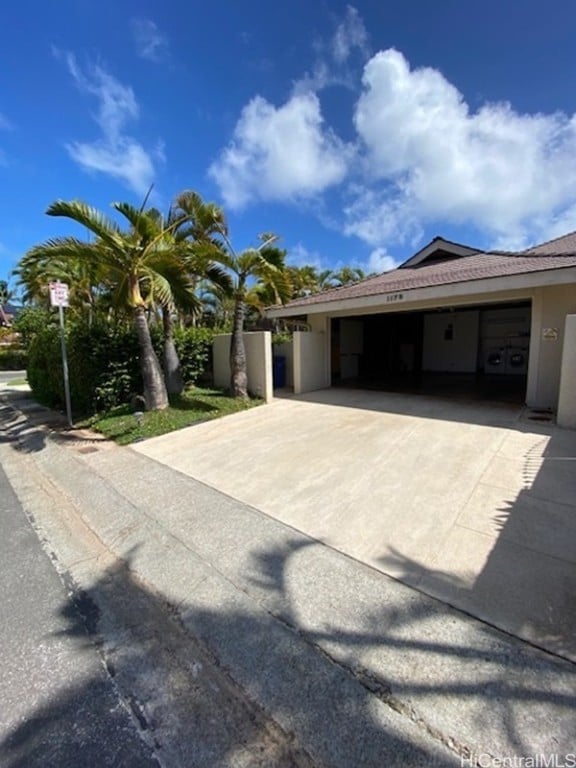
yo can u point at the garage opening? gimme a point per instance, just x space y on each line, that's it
479 352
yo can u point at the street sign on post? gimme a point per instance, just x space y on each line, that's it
59 298
58 294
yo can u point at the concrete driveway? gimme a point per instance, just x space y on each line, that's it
472 503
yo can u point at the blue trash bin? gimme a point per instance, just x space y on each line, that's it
279 372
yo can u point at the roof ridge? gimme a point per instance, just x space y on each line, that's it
547 242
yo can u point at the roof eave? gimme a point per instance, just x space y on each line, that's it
445 291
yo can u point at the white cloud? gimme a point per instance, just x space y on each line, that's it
280 153
116 153
429 158
350 34
151 44
135 168
300 256
332 65
381 261
421 154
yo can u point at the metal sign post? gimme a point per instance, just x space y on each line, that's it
59 298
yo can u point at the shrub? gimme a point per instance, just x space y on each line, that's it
103 363
104 366
194 347
32 320
13 358
45 375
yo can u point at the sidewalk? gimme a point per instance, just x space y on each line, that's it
360 669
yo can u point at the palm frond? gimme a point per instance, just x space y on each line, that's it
91 218
143 224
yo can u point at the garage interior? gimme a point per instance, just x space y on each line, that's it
478 352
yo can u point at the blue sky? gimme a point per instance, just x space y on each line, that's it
356 132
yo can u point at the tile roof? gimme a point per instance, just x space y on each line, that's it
564 245
555 254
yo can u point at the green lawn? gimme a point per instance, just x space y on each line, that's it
193 406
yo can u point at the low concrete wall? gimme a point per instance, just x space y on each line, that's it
566 416
258 346
310 362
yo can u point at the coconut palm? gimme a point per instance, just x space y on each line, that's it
191 226
85 279
347 275
138 264
263 265
5 296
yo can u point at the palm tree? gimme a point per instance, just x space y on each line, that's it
86 281
5 296
139 265
192 225
348 275
264 265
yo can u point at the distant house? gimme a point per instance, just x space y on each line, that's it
451 317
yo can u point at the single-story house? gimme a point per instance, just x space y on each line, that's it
450 317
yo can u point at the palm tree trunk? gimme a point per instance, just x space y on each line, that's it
239 378
155 394
172 368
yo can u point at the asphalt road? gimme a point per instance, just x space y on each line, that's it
58 705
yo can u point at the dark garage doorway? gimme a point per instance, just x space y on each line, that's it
478 352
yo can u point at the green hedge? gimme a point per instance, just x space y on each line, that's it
194 347
103 363
13 359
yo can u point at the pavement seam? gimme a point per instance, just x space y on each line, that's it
78 596
84 605
81 460
381 689
369 682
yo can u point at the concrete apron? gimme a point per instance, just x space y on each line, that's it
470 503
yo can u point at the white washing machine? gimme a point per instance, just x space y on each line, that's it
517 360
495 359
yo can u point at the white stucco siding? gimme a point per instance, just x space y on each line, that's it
567 397
310 361
550 307
258 347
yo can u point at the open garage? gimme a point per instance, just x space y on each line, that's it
451 320
476 351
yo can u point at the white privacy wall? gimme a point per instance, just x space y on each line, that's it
310 362
258 346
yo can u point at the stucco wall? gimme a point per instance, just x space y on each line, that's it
567 397
258 346
549 309
550 306
310 361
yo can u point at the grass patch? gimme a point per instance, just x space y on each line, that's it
16 382
193 406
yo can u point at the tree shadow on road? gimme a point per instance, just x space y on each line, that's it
447 671
215 684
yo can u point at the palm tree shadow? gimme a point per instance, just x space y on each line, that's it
392 645
199 683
